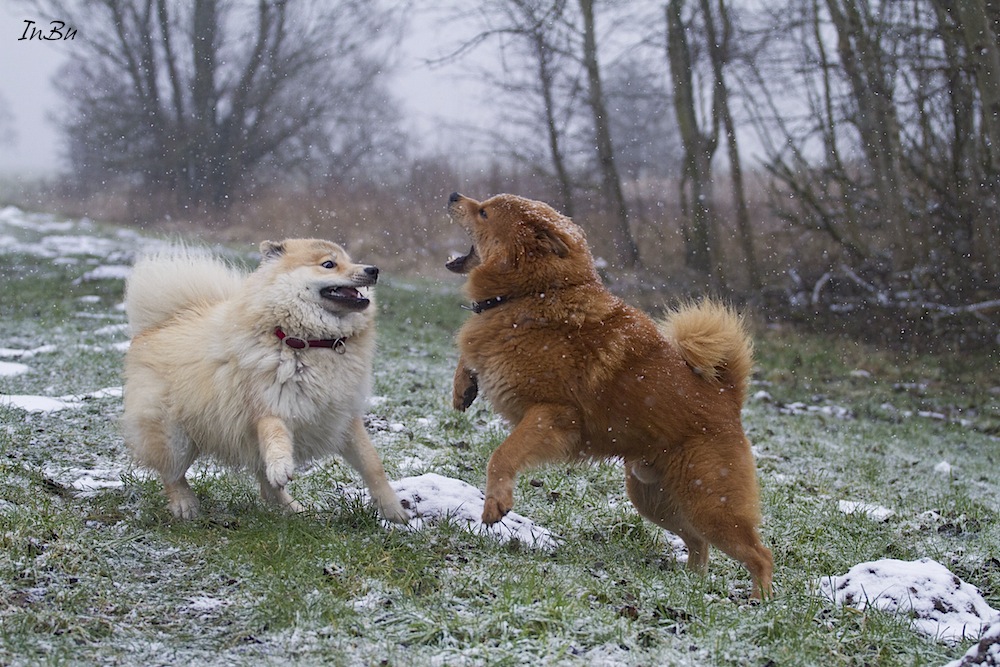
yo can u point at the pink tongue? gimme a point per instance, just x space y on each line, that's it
348 292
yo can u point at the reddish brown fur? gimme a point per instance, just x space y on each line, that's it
580 374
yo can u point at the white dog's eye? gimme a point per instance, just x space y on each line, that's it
329 264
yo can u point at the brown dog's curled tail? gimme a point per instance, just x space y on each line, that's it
713 339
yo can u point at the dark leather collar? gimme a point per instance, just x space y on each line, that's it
479 306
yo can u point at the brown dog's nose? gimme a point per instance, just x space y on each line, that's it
454 197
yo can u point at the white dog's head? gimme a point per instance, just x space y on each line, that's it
320 272
310 287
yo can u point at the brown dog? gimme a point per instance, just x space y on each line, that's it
580 374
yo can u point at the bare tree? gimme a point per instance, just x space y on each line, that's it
196 99
533 40
889 150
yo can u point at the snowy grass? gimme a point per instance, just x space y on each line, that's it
864 455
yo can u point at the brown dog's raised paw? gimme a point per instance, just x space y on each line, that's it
465 389
493 511
463 401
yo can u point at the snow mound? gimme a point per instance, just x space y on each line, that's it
941 605
432 498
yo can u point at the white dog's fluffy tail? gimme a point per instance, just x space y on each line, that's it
166 283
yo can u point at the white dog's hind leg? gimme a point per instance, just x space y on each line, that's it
163 446
277 455
360 453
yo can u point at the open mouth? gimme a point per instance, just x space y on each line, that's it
346 296
464 263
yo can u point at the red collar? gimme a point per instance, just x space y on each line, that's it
338 344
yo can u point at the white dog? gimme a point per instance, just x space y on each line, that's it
260 371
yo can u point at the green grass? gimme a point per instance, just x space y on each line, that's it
109 578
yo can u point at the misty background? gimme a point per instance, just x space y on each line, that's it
833 163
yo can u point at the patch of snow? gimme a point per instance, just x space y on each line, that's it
111 330
799 408
107 392
873 512
204 606
30 403
26 354
92 481
9 369
940 604
943 468
432 498
15 217
107 272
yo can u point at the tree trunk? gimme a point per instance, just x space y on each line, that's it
984 54
704 254
625 245
718 49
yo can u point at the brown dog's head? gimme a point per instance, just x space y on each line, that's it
520 245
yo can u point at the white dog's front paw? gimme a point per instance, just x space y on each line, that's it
391 509
280 471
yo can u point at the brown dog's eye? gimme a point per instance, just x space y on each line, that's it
329 264
482 213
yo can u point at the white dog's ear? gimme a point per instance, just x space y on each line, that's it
271 250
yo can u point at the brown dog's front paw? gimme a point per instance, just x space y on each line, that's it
494 511
464 389
463 400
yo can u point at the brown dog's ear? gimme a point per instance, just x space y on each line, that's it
271 250
550 240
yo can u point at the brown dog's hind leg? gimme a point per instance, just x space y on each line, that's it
708 505
645 489
743 543
545 434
